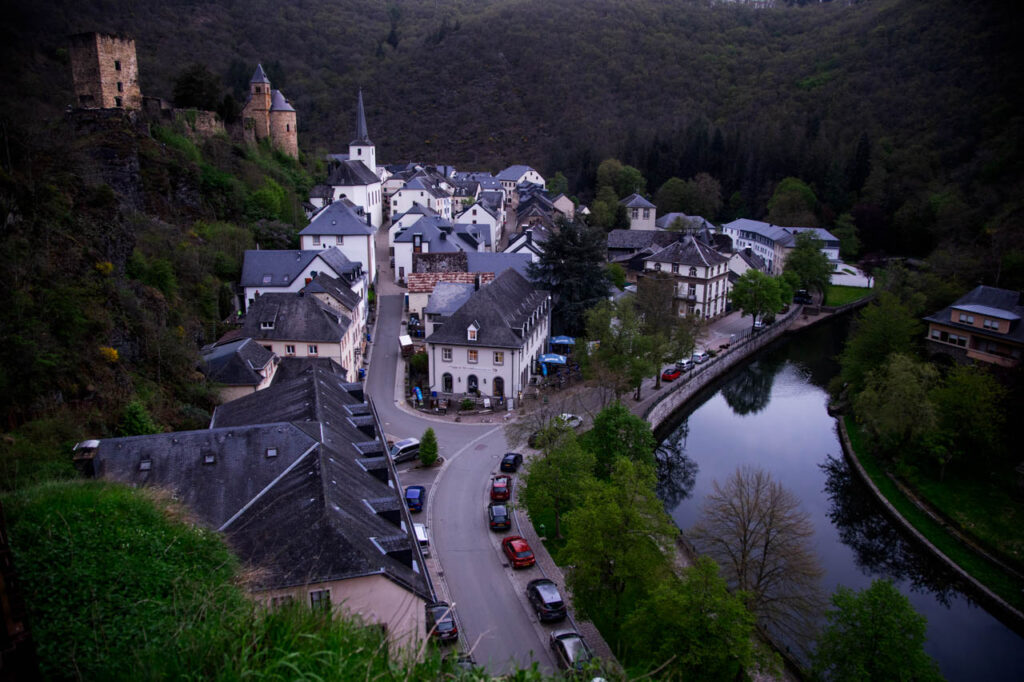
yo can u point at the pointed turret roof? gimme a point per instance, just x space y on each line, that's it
362 138
260 76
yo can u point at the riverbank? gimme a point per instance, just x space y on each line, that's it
1001 593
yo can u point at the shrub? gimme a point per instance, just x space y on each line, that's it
428 448
467 404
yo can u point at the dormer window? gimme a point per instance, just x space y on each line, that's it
471 333
267 324
209 458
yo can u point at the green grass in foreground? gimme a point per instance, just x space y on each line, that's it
992 577
840 295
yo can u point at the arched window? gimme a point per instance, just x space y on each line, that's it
472 384
446 382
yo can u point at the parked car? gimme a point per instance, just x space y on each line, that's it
671 374
570 420
498 517
684 365
545 599
421 537
441 622
518 552
571 652
405 449
700 356
415 497
501 488
511 461
803 296
758 324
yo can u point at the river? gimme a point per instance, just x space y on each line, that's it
771 412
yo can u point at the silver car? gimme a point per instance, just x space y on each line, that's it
571 652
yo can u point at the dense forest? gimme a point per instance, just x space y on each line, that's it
121 241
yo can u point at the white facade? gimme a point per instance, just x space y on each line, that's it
315 267
357 248
700 290
478 215
405 198
369 197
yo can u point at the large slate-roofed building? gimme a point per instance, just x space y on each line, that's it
983 325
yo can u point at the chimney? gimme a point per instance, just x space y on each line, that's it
529 236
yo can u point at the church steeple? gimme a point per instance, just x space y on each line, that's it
362 138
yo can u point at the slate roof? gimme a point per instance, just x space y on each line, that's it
447 297
500 310
278 102
486 261
335 288
420 183
276 268
636 201
767 230
819 232
752 259
513 173
319 510
478 204
259 75
438 233
492 198
634 240
348 173
237 363
665 221
294 317
338 218
689 251
289 368
1002 304
362 138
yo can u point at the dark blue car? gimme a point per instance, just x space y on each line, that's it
415 497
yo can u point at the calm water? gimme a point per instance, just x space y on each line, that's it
771 413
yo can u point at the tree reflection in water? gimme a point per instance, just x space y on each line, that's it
677 473
878 546
751 389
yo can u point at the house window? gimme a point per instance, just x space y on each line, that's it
969 319
446 382
339 239
499 357
287 127
472 355
316 240
145 465
120 86
991 324
312 349
289 349
657 267
675 268
267 279
647 213
117 65
320 600
267 325
446 354
693 272
471 334
271 453
281 601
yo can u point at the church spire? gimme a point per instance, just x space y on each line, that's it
362 137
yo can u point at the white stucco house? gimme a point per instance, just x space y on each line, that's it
641 212
275 271
773 242
420 190
340 226
701 276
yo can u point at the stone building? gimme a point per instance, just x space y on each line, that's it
269 115
104 71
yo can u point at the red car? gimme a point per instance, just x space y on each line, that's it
671 374
518 552
501 488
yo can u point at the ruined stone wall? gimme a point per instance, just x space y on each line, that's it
105 71
198 123
283 133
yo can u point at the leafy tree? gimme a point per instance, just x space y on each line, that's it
616 275
621 357
673 196
630 180
136 420
558 184
793 204
894 406
970 410
873 634
608 173
808 263
607 213
882 328
694 628
616 433
756 294
197 88
428 448
572 269
559 480
754 528
616 545
849 240
669 335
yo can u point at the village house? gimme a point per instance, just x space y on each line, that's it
239 367
297 480
743 260
434 235
423 191
481 267
983 325
341 227
491 344
701 276
773 243
529 241
641 212
515 175
629 248
686 223
479 213
277 271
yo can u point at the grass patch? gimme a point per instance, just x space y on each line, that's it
840 295
991 576
546 518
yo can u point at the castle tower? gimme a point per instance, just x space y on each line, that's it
361 149
282 125
104 71
257 108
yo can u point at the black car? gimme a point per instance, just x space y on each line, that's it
545 599
441 622
497 516
511 461
802 296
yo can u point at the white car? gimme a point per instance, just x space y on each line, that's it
700 356
570 420
684 365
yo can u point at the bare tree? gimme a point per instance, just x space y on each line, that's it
754 528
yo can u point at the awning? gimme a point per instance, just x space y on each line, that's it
553 359
563 340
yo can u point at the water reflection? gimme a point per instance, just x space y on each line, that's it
879 547
677 473
751 390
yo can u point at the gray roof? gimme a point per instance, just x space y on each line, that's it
338 218
320 509
348 173
289 368
278 102
259 75
335 288
634 240
484 207
752 259
500 310
294 317
237 363
689 251
447 297
636 201
438 233
513 173
485 261
421 183
665 221
1002 304
819 232
362 137
474 233
766 230
274 268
